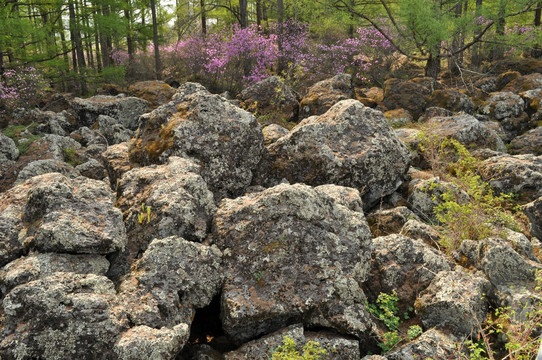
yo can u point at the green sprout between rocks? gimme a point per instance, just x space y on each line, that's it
288 351
145 214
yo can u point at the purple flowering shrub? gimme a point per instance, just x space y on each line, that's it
20 87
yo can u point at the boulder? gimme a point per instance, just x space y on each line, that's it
342 195
454 301
324 94
418 230
524 83
64 215
398 117
533 99
350 145
292 253
508 108
518 174
411 95
87 137
61 123
452 100
527 143
92 169
432 344
62 316
487 84
178 200
8 149
143 342
272 133
524 66
336 347
390 221
434 111
505 78
374 93
40 167
272 101
117 162
225 140
126 110
404 266
156 92
172 279
533 210
110 129
502 265
466 130
39 266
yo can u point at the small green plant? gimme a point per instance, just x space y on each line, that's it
144 214
288 351
71 157
414 331
386 309
259 275
23 142
389 341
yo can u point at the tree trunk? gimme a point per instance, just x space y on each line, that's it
498 51
537 50
129 39
433 67
74 27
280 15
155 39
476 58
259 13
243 13
203 18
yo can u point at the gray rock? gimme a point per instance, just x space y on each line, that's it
143 342
454 301
273 132
342 195
405 266
271 99
411 95
390 221
117 162
179 201
324 94
112 130
533 210
487 84
466 130
433 343
92 169
527 143
58 146
502 105
452 100
87 137
292 252
38 266
518 174
336 347
418 230
173 278
126 110
226 141
350 145
499 261
40 167
8 149
61 123
71 215
425 195
62 316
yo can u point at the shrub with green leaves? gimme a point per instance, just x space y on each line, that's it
288 351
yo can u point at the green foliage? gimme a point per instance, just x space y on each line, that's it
389 340
71 157
386 309
144 214
22 136
414 331
288 351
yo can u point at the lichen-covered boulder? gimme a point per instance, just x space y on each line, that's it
527 143
178 200
432 344
452 100
173 278
524 83
144 342
350 145
92 169
533 210
418 230
499 261
324 94
398 117
411 95
46 166
389 221
126 110
111 130
487 84
505 77
53 213
8 149
292 252
454 301
62 316
405 266
272 101
336 347
518 174
117 162
508 108
273 132
533 99
156 92
61 123
33 267
225 140
467 130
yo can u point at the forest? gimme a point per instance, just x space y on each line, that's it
79 45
